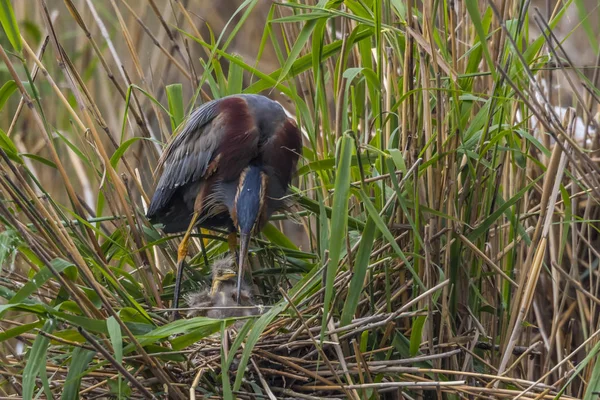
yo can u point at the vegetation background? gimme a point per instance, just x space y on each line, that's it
445 240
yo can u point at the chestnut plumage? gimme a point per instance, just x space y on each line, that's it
217 143
229 167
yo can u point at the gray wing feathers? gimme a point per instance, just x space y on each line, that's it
189 154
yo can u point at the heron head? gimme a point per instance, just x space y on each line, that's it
248 212
250 200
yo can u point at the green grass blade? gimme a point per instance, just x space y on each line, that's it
19 330
339 220
473 10
259 326
127 102
116 339
36 357
361 263
238 341
40 279
489 221
593 389
388 235
235 77
247 6
592 354
227 393
323 226
176 108
6 91
305 62
39 159
118 154
197 334
9 24
584 17
296 49
275 236
45 382
9 148
80 359
415 334
176 328
314 207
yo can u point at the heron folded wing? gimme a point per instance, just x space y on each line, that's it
220 136
186 156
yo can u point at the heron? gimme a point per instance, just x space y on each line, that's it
229 167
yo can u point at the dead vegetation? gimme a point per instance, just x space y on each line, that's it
445 242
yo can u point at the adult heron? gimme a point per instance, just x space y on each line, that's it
229 167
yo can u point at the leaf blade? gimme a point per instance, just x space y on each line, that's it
9 23
339 220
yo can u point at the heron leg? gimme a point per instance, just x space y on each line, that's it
203 243
182 252
232 242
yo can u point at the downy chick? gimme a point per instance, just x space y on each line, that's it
220 301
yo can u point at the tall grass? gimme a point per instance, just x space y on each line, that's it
448 215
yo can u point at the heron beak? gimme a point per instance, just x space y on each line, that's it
244 241
227 276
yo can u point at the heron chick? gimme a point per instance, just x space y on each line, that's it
220 301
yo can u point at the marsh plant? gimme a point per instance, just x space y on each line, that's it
443 238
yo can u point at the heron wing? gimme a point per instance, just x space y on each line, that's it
219 135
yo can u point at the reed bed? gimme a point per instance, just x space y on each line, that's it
444 239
